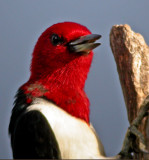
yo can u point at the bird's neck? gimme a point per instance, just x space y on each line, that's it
65 87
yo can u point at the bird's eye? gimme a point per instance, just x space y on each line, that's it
55 39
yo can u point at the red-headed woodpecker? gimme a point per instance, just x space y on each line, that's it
50 118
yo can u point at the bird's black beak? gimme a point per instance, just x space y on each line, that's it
84 44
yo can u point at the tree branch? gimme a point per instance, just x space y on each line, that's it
131 54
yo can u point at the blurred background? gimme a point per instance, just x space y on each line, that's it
22 22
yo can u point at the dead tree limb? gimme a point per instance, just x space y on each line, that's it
131 54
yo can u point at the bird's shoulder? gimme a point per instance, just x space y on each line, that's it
31 134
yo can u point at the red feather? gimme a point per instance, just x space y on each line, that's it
58 74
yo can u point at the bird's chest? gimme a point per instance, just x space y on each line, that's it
74 136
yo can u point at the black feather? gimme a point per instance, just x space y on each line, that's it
31 134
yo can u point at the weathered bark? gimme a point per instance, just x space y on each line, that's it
131 54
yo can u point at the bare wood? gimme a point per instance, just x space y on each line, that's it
131 54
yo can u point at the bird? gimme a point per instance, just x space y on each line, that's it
50 117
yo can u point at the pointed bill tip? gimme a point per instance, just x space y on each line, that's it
84 44
84 39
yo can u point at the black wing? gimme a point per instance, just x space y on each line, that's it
31 134
33 138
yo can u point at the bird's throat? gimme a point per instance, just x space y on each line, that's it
64 87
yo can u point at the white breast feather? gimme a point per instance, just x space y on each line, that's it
75 137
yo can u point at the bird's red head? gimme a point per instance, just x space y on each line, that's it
59 68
